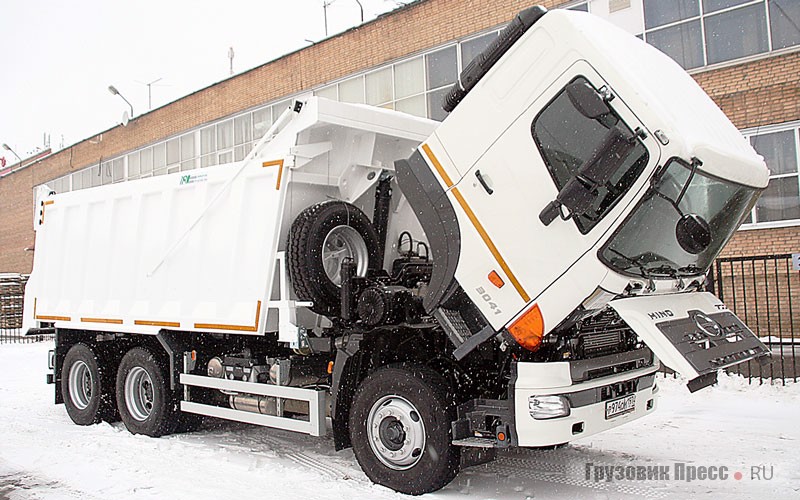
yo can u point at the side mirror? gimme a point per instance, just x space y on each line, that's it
693 233
577 195
580 191
587 100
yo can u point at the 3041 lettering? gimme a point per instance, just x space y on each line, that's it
488 298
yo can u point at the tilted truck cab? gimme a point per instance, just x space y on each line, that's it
509 277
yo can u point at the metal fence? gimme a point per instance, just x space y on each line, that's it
762 291
12 293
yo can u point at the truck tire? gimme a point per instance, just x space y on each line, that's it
400 429
87 387
145 403
319 239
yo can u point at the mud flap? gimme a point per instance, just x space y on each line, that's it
692 333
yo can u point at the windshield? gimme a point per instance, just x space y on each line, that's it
649 244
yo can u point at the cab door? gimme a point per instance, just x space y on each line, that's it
530 162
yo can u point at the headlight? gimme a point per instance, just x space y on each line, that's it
544 407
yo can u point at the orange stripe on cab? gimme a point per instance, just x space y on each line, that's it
476 223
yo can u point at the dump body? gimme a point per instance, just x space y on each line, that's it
198 251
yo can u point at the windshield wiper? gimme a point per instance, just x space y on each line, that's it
664 269
690 270
641 268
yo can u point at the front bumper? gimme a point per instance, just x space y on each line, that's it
587 401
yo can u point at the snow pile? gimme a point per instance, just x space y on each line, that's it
743 427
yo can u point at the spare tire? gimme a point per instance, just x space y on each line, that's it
320 238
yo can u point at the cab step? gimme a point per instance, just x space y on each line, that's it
475 442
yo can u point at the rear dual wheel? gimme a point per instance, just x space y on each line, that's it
145 402
139 392
87 386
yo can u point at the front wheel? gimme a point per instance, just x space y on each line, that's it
145 403
400 429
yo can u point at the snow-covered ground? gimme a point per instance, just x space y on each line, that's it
734 425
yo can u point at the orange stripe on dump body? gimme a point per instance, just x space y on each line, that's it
169 324
102 320
238 328
44 207
47 318
54 318
478 226
279 164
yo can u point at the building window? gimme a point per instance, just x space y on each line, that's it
173 152
784 17
700 32
379 88
582 6
262 120
780 202
224 135
352 90
416 85
133 165
146 162
160 159
473 47
441 72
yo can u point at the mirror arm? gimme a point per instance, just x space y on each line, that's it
695 163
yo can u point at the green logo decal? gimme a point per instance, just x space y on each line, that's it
193 178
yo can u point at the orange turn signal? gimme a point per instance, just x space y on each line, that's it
528 329
496 280
330 367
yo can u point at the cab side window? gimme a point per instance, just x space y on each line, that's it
567 140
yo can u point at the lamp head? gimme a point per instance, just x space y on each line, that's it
113 90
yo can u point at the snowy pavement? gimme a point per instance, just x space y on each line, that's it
729 429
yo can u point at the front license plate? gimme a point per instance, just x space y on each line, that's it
620 406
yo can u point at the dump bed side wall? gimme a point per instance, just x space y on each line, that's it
123 257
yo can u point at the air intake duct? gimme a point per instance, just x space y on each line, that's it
484 61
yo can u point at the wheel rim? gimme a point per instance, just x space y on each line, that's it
139 396
396 432
343 242
80 385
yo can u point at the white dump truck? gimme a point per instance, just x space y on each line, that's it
427 292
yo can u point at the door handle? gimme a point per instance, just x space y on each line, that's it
483 182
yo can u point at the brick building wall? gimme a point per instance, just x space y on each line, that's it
765 91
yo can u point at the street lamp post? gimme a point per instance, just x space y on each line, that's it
8 148
327 3
114 91
362 10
